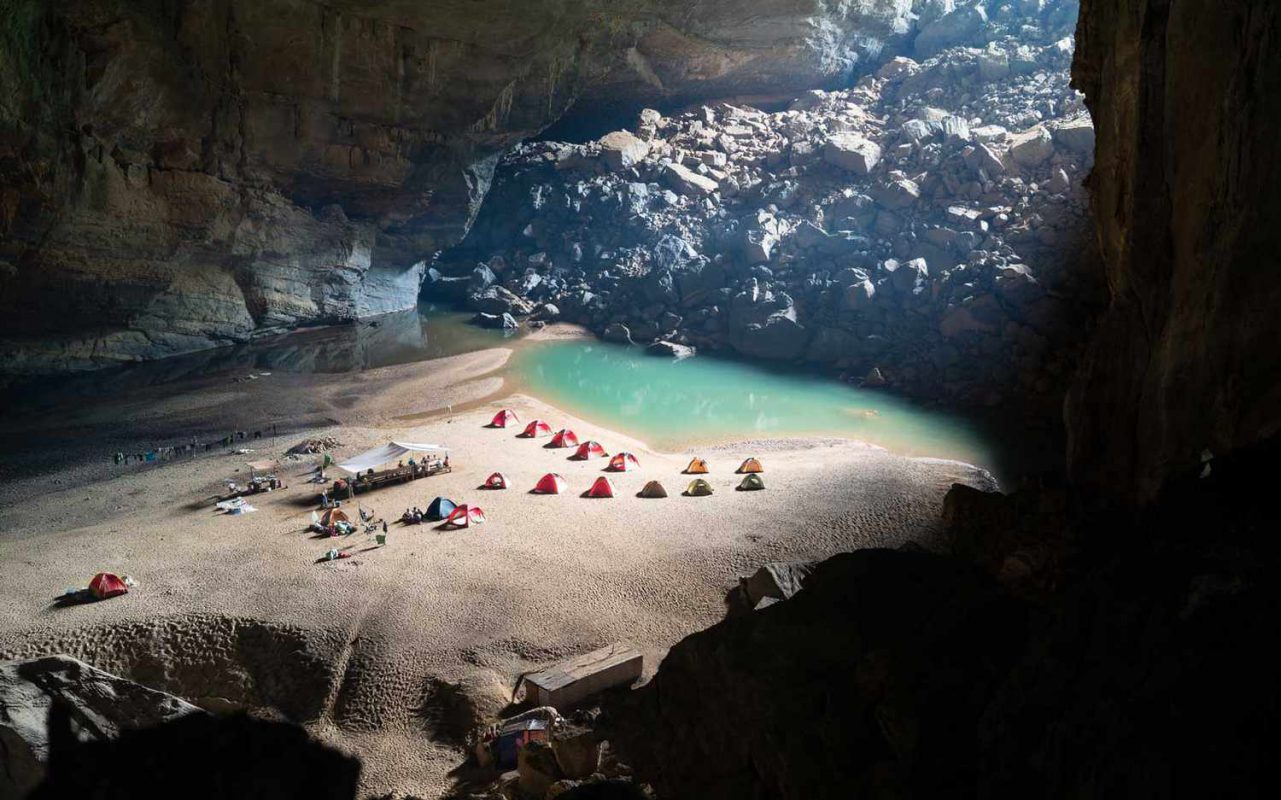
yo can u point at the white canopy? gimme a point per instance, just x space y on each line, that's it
392 451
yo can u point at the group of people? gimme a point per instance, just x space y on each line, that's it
414 516
170 452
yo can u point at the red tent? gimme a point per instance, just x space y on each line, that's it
551 483
105 585
503 417
496 481
536 428
603 487
465 515
588 450
622 462
565 438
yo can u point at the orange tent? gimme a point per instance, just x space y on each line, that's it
551 483
464 515
105 585
588 450
565 438
696 466
603 487
536 428
496 481
622 462
334 516
503 417
750 465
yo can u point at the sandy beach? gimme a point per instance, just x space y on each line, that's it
396 651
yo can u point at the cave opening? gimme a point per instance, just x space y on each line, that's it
818 275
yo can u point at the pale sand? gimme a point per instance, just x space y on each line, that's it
235 609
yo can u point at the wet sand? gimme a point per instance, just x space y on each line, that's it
374 652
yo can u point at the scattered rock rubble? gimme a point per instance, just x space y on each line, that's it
927 227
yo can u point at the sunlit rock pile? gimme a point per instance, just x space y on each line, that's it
926 228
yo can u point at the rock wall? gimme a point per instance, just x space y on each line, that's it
175 176
1186 194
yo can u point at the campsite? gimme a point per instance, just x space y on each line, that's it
544 577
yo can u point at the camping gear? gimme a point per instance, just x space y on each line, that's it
653 489
536 428
496 481
380 538
564 438
392 451
515 735
698 488
751 483
749 466
502 418
334 555
602 487
697 466
622 462
463 516
440 508
589 449
551 483
573 680
106 584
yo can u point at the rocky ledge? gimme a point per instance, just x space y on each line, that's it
926 229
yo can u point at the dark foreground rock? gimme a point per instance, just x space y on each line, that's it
99 707
867 681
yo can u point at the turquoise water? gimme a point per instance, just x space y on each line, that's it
672 405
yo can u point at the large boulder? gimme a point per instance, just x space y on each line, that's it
1031 148
622 150
102 707
688 182
963 25
779 337
852 153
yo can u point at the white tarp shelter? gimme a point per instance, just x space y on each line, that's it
392 451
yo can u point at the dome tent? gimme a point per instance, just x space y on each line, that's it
588 450
464 516
622 462
536 428
564 438
551 483
697 466
601 487
440 508
653 489
698 488
503 418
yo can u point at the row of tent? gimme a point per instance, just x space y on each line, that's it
554 483
621 462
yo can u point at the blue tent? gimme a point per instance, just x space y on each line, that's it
440 508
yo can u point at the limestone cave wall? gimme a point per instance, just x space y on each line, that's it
179 174
1186 194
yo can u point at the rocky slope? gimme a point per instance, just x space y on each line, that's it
926 228
177 176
